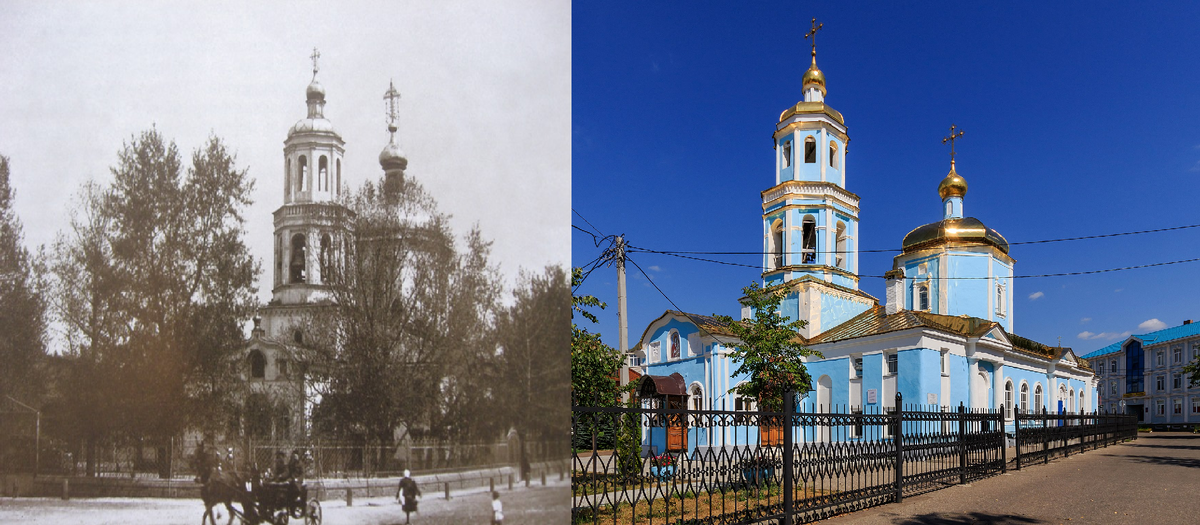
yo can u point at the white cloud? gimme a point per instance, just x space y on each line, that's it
1151 325
1085 320
1119 290
1090 336
655 268
1195 167
1036 295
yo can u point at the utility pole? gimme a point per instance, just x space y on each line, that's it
622 312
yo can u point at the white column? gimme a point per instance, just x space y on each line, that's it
823 152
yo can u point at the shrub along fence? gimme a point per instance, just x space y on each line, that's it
723 467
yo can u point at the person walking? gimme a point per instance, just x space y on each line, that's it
497 509
408 494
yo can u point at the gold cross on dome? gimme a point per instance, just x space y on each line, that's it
813 33
953 136
316 54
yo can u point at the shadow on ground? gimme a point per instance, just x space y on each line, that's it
1165 460
965 518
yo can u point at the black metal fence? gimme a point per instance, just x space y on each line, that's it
1042 436
721 467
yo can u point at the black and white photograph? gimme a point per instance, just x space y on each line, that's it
285 262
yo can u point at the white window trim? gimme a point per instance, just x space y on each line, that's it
917 287
1009 395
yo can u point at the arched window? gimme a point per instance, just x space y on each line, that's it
833 155
696 402
1081 403
1008 399
808 239
786 154
303 173
1113 365
1037 398
840 256
1071 401
810 150
323 173
298 256
1024 398
258 365
742 403
674 345
921 302
298 337
777 245
326 258
338 189
278 260
1000 299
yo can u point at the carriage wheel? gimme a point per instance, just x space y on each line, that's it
312 513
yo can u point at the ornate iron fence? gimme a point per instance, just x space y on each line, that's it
1042 436
681 466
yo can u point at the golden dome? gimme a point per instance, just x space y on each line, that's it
953 185
814 76
955 232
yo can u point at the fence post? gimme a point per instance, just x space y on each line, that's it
1017 434
898 438
1045 439
962 444
1003 441
789 408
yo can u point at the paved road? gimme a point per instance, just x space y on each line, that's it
1155 479
522 506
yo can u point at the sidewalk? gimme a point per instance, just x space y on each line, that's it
1155 479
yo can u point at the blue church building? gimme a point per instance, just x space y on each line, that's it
943 336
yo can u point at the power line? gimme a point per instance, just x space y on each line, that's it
1042 241
589 223
1062 274
697 322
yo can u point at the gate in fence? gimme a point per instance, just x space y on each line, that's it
755 466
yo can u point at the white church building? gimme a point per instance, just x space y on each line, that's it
943 337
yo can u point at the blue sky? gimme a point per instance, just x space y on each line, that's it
1080 119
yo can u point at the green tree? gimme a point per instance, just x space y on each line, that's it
595 366
408 339
767 350
22 308
1193 371
533 367
154 284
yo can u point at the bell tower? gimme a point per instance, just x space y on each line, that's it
810 219
309 227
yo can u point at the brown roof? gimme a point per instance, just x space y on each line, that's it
671 385
876 321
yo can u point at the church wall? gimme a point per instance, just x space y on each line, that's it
968 296
873 380
933 271
918 375
1004 272
959 379
836 310
805 171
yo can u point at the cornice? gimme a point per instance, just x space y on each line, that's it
809 188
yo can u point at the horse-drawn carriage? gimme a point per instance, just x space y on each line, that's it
261 500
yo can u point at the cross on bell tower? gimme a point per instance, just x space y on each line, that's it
813 33
953 136
953 187
316 55
391 103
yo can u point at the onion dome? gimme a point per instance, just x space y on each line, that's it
966 231
315 92
814 76
391 158
953 185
